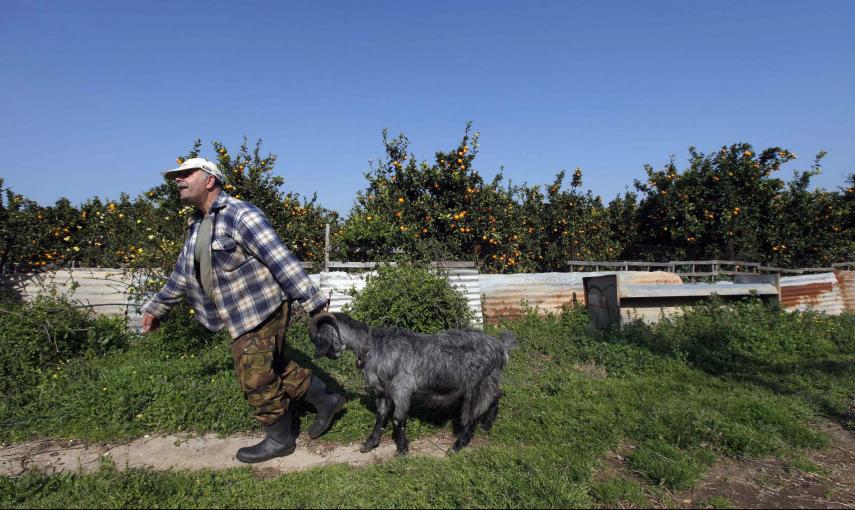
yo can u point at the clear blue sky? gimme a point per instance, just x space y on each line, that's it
100 97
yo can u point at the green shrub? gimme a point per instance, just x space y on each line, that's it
35 336
180 332
412 297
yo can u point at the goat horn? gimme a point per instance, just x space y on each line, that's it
314 321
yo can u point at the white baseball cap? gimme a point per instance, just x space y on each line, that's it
193 164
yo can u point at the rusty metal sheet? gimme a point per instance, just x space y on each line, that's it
820 292
846 280
509 296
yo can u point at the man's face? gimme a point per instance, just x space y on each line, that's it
192 186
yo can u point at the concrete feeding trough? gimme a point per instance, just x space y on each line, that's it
610 299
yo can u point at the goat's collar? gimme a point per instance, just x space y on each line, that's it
363 350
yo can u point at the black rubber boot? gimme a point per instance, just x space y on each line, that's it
280 441
327 403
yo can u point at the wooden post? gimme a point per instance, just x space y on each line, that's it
327 249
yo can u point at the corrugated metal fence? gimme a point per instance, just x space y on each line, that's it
822 291
490 297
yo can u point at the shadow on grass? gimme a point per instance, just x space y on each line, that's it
734 349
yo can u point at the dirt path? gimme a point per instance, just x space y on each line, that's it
188 452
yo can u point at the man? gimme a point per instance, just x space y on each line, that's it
236 273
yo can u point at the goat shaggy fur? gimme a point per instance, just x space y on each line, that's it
440 370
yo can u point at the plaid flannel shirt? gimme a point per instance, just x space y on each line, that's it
253 272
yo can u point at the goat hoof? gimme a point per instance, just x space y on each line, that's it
401 453
367 447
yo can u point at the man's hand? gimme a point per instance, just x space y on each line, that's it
150 323
318 310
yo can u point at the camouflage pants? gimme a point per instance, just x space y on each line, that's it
268 380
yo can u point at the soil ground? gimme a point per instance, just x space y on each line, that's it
763 483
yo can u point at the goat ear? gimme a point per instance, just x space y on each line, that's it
322 330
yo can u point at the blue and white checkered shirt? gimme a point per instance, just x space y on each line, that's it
253 272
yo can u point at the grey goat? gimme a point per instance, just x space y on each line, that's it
439 371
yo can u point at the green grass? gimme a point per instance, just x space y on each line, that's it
718 502
570 397
666 464
619 493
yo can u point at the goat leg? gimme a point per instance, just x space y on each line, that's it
489 417
401 395
400 435
382 416
464 437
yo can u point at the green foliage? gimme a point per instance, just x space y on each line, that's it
564 225
719 208
412 297
444 209
39 337
145 234
182 333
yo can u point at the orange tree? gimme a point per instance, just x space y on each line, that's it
25 242
728 205
438 210
445 209
718 208
564 225
810 228
847 204
40 238
623 221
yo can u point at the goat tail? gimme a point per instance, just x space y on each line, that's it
509 340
